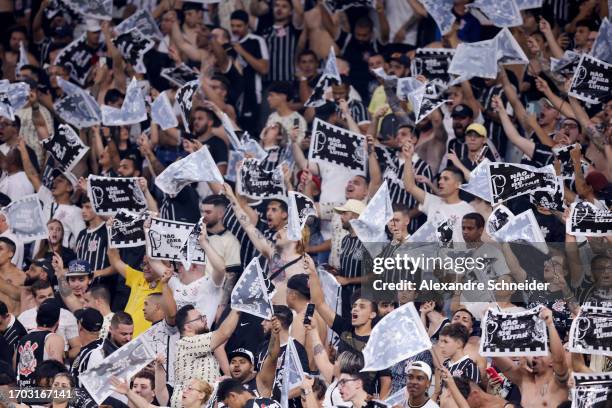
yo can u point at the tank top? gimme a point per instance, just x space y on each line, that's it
30 353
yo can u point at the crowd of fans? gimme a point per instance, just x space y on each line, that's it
69 301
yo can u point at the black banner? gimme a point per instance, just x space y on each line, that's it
133 45
66 147
108 195
341 5
591 331
513 180
127 230
334 145
592 390
77 57
256 183
305 206
513 334
591 81
432 63
586 219
180 75
184 98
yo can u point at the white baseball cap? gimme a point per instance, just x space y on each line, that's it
421 366
92 25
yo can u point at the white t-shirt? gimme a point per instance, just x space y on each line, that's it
202 293
438 211
16 186
18 257
68 327
69 215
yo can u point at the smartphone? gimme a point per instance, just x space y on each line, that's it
309 312
296 123
102 61
494 374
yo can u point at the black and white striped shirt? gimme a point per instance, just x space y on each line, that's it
184 207
82 359
351 257
465 367
91 246
282 45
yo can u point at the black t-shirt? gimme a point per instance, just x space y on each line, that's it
255 46
184 207
218 150
91 246
248 333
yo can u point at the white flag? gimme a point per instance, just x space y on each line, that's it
478 184
162 112
231 133
442 13
602 47
523 228
23 58
198 166
398 336
250 294
133 109
475 60
78 107
502 13
370 226
509 51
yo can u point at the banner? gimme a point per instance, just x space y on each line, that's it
78 107
475 60
127 230
432 63
591 331
427 99
162 112
197 167
166 239
96 9
334 145
133 45
407 86
585 219
602 47
387 344
65 146
500 216
133 109
501 13
122 363
442 13
26 219
143 21
523 228
229 130
256 183
567 64
592 390
340 5
591 81
550 200
108 195
330 76
509 180
77 57
250 294
180 75
478 184
184 99
513 334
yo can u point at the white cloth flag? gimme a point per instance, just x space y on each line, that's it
370 226
16 92
300 207
407 86
162 112
331 67
398 336
426 99
293 366
23 58
144 21
133 109
198 166
529 4
602 47
253 148
331 289
231 133
26 218
523 228
442 13
474 60
78 107
509 52
478 184
502 13
250 294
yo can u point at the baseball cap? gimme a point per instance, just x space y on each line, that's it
92 25
78 267
48 313
478 128
462 111
45 264
242 352
352 205
67 175
421 366
299 283
90 319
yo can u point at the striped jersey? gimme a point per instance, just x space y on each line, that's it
465 367
91 246
282 42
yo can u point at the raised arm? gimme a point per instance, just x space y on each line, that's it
216 261
115 260
556 347
71 301
408 177
161 391
346 114
318 298
373 166
223 333
554 47
259 64
525 145
151 203
28 167
265 377
193 53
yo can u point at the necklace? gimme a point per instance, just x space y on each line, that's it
544 388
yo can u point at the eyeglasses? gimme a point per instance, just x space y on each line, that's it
201 318
344 381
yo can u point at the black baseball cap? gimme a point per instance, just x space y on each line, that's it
48 313
299 283
90 319
462 111
242 352
46 266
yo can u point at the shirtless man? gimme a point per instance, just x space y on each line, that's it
465 318
542 380
321 29
11 277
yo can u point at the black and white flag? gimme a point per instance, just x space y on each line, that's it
197 167
567 164
387 344
111 194
475 60
133 45
23 58
602 47
180 75
509 52
340 5
501 13
513 334
567 64
184 98
143 21
291 374
523 228
133 110
478 183
166 238
26 218
329 77
191 249
591 331
256 183
585 219
300 207
95 9
231 133
66 147
127 230
122 363
407 86
509 180
77 57
442 13
432 63
334 145
426 99
592 390
591 81
162 112
499 217
78 107
6 110
250 294
550 200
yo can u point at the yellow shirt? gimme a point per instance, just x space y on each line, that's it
379 99
139 290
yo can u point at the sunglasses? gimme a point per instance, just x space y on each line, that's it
201 318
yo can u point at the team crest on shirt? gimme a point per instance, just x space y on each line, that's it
92 246
457 373
27 361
